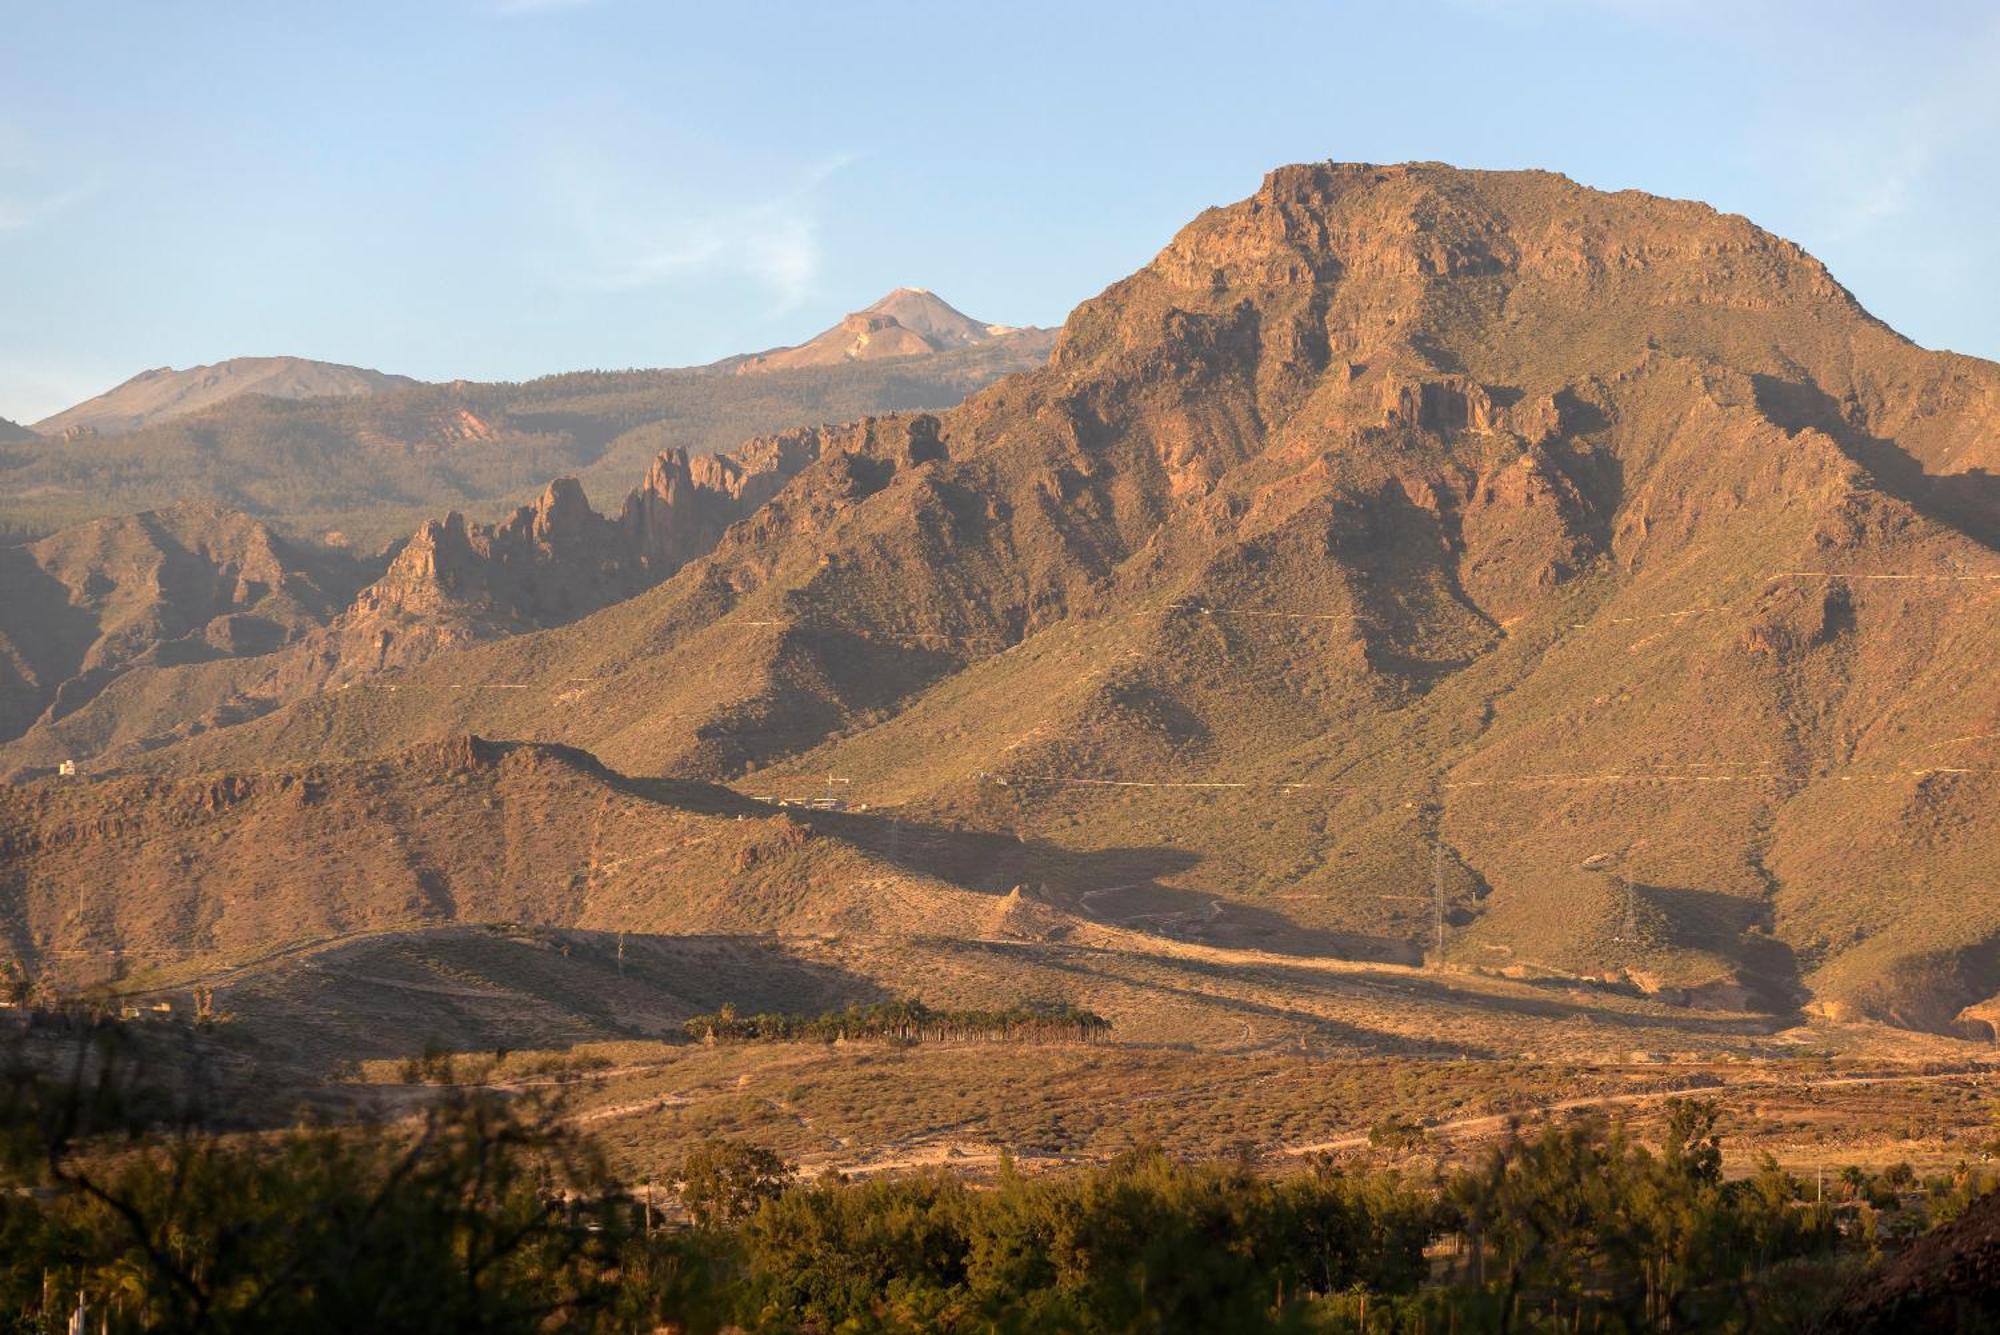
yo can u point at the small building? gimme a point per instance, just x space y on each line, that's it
66 768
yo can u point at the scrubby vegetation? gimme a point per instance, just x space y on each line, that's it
498 1214
1576 1227
907 1021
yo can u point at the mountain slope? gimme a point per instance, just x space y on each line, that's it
1437 562
164 392
185 585
453 583
464 830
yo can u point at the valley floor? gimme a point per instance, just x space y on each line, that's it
1212 1051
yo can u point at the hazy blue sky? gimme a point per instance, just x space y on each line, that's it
503 188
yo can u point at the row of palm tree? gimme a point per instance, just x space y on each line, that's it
904 1021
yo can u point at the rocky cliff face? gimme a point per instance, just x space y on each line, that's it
456 583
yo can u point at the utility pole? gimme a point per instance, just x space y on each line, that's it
1431 815
1437 897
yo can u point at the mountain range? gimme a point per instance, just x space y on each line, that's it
358 459
1408 564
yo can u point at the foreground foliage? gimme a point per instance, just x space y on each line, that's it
1576 1227
477 1215
491 1215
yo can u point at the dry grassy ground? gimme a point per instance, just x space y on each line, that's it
1214 1051
872 1107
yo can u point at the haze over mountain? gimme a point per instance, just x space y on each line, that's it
909 322
163 393
365 469
1396 543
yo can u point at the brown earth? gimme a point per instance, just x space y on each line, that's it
1947 1280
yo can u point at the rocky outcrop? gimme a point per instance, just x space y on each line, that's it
553 561
1446 405
684 505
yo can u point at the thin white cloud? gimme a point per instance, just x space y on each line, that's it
20 214
628 239
1875 163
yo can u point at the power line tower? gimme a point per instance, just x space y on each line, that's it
1430 816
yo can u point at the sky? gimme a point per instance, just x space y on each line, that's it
499 189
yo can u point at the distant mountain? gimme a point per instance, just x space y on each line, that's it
367 471
12 433
909 322
164 393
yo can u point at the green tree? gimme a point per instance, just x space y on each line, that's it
721 1182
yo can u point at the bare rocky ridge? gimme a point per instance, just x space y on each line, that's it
452 584
909 322
164 392
1396 543
556 560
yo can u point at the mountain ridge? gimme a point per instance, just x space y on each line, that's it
1449 564
166 392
